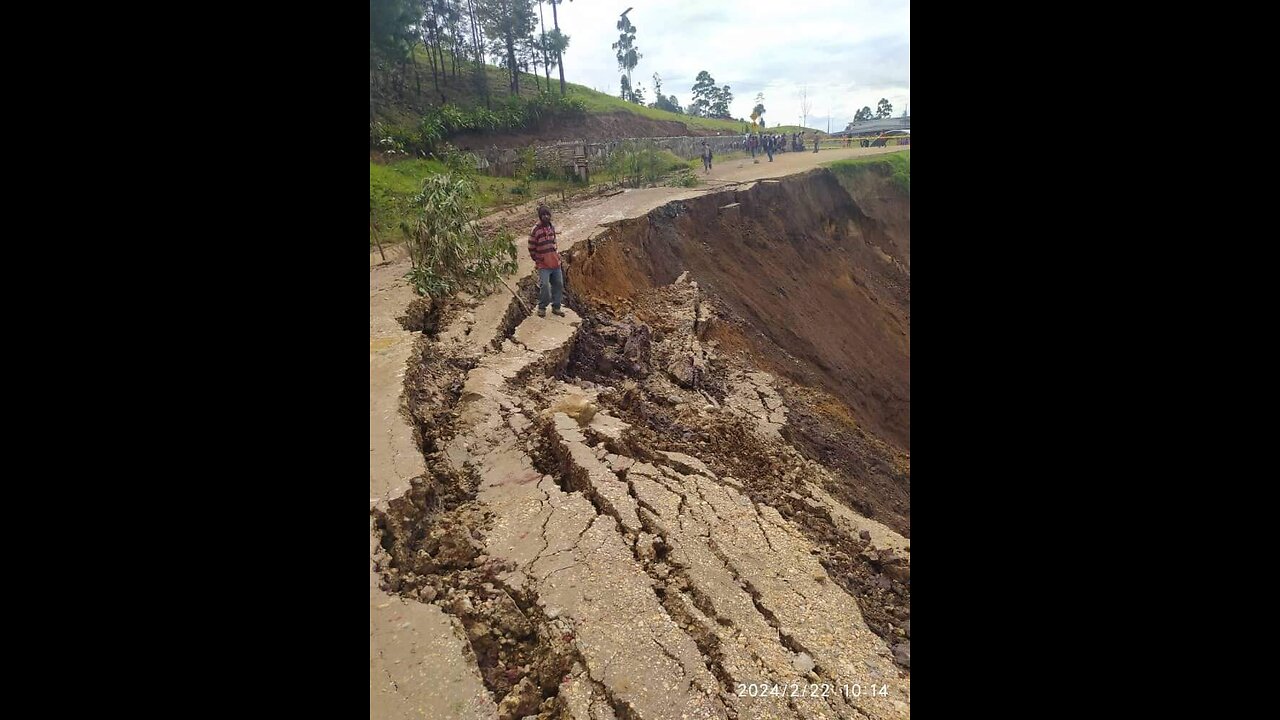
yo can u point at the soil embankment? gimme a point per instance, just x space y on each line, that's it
820 288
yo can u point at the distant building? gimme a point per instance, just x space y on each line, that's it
875 127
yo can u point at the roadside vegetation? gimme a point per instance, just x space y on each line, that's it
894 164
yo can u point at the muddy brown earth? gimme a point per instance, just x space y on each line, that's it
694 486
813 278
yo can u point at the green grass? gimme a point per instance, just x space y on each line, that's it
598 102
392 188
895 164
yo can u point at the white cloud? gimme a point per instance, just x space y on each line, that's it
850 53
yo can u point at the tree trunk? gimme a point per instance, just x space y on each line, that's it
457 43
426 41
417 77
440 52
555 19
481 73
546 62
511 63
435 53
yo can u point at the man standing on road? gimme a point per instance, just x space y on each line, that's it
768 147
542 248
706 157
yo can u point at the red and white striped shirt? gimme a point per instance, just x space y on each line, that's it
542 247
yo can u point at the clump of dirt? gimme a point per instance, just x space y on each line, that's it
422 315
607 351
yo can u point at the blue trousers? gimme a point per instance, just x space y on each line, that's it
550 287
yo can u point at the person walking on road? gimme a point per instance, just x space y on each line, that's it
706 157
542 248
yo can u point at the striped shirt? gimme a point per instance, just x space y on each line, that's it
542 247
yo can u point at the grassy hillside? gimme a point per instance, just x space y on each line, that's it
387 106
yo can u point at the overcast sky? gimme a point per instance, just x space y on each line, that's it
850 53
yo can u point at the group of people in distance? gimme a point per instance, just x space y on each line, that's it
770 143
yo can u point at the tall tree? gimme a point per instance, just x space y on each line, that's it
557 43
884 109
542 41
389 22
720 103
705 94
805 106
555 19
455 28
507 23
393 31
758 111
626 52
481 76
438 17
529 56
863 114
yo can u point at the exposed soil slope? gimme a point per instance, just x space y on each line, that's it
817 282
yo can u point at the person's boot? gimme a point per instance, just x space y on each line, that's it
542 312
556 311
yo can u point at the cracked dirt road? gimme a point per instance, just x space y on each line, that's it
603 577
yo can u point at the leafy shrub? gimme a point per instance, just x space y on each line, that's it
684 178
631 164
448 250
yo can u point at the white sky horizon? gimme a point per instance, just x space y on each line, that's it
850 53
